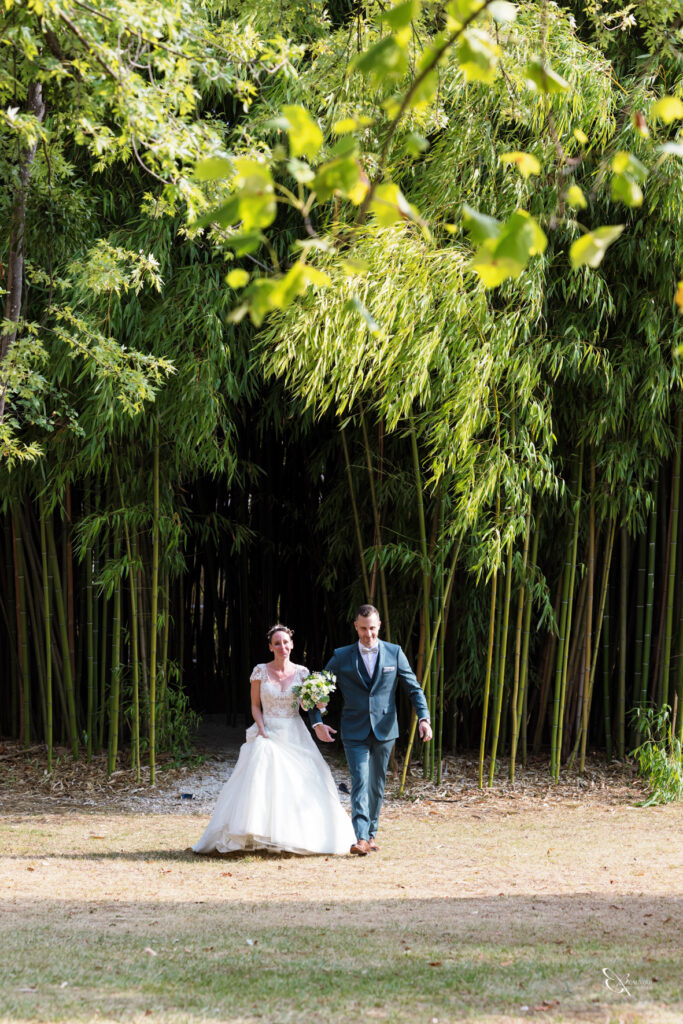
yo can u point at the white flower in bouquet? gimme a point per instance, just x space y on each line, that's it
314 689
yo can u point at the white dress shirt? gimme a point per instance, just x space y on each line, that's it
369 657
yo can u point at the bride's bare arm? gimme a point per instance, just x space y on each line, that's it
256 709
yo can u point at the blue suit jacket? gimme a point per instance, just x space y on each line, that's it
370 704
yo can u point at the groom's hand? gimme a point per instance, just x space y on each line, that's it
324 732
425 730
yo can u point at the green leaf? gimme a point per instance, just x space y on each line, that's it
346 146
389 205
305 137
480 226
461 10
575 197
401 16
244 242
351 124
667 109
493 271
478 56
341 175
386 59
542 77
257 205
414 144
225 215
626 163
625 190
300 171
214 168
525 163
238 278
591 247
505 249
580 136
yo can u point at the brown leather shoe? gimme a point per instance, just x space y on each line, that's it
374 848
361 848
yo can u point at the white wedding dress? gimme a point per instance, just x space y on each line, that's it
281 794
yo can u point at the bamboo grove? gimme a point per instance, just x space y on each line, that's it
498 471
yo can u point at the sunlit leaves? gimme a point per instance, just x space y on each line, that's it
342 176
678 297
253 204
351 124
667 109
540 76
238 278
504 249
575 197
389 205
385 60
526 163
478 56
461 11
400 17
305 137
590 249
266 294
628 175
214 168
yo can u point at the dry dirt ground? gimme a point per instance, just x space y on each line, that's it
538 902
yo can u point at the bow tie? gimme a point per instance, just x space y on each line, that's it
368 650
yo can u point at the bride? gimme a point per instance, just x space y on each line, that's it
281 794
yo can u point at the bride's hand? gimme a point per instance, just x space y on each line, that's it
262 732
321 707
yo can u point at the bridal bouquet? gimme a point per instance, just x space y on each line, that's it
314 689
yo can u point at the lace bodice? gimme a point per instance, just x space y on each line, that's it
276 702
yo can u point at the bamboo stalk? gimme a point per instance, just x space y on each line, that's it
114 694
356 519
428 661
649 602
606 674
671 585
378 533
514 709
585 705
570 607
135 657
71 722
524 675
487 682
90 649
623 644
501 664
22 629
48 633
154 625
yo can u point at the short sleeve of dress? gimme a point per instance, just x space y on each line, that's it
255 676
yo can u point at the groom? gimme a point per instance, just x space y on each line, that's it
368 673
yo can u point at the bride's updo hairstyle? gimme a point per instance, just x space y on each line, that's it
279 628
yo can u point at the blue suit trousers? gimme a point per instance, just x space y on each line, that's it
368 760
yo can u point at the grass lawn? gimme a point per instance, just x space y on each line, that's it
493 909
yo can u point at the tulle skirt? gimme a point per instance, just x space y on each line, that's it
280 796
